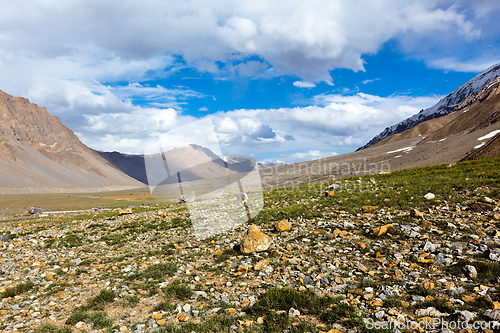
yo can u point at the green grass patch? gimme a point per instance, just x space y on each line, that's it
227 254
178 290
17 290
399 190
77 317
330 310
212 324
155 272
50 328
159 271
72 239
99 301
131 301
94 216
98 319
165 306
486 271
276 322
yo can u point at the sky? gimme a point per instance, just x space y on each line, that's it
280 81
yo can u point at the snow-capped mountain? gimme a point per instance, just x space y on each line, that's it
443 107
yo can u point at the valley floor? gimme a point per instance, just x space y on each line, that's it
373 252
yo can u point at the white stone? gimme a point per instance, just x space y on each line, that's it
429 196
293 313
80 325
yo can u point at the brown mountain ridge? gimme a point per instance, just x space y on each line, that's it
39 154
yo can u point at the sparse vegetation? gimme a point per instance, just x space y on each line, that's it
149 262
131 301
98 319
50 328
178 290
159 271
101 300
17 290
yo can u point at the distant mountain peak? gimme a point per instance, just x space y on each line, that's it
442 108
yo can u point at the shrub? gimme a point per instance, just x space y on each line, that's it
178 290
99 302
50 328
17 290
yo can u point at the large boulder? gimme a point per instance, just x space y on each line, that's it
254 240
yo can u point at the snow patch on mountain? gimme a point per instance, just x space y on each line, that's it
405 149
443 107
489 135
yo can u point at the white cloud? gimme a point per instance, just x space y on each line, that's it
303 84
300 157
454 64
335 122
306 39
157 96
370 81
69 55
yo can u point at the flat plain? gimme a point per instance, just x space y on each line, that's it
14 206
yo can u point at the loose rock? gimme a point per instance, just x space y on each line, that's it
470 271
430 196
282 226
254 240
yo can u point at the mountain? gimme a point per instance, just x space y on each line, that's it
194 162
444 107
270 165
39 154
132 165
463 125
471 130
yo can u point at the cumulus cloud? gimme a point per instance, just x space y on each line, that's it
73 57
337 122
307 39
344 122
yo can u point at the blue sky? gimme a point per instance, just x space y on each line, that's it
281 82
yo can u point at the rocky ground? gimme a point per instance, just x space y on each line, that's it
318 268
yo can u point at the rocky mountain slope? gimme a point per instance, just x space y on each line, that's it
470 131
38 153
132 165
444 107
